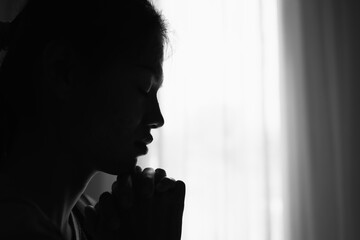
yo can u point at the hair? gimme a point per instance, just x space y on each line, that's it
97 30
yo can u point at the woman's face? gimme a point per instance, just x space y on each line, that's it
117 114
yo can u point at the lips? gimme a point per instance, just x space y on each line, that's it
141 144
147 140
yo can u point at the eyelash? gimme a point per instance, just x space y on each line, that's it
144 91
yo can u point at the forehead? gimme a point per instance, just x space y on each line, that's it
149 61
140 58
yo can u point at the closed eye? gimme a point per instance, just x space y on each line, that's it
145 81
145 88
144 91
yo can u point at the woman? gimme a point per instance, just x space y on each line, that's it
78 95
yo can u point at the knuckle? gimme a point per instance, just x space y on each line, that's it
138 169
148 170
160 171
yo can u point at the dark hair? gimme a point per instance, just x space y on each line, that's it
94 29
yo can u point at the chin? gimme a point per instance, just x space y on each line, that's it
121 166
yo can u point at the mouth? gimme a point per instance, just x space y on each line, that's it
140 145
147 140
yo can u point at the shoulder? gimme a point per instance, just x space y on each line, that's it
21 219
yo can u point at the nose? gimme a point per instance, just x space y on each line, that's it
154 118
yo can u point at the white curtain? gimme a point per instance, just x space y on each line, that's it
260 99
223 118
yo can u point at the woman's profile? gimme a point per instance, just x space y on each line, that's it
78 95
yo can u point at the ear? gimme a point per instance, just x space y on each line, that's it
56 71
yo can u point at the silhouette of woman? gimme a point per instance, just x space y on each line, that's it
78 90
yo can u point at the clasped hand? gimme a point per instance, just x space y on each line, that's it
146 205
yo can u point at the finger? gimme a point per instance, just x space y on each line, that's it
148 173
160 217
123 193
90 220
149 182
159 175
144 184
136 175
92 226
105 204
179 191
122 179
165 184
138 170
143 195
176 211
107 210
168 209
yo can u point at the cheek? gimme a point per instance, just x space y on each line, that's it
126 110
118 114
119 120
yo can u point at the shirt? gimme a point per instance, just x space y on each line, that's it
22 219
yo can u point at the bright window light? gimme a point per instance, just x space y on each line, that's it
221 104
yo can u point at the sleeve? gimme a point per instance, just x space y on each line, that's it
19 220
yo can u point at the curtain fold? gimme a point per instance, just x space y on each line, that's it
320 67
